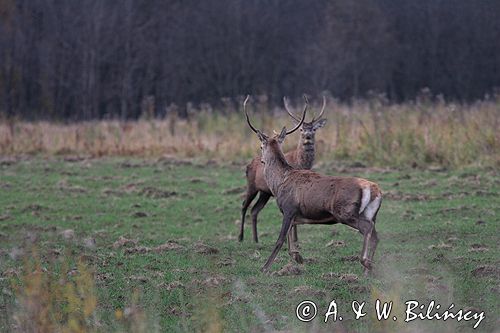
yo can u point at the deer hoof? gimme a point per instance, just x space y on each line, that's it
367 264
240 238
298 258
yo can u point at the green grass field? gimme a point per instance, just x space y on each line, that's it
159 239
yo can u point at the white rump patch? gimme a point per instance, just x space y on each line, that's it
365 199
372 208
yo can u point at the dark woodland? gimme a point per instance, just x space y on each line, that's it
94 59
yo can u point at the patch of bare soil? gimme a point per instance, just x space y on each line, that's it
440 246
139 215
347 277
139 278
202 248
310 260
123 241
226 262
155 193
172 285
308 291
486 271
178 312
64 186
288 270
103 277
68 234
196 180
214 281
478 248
4 217
109 191
168 246
33 208
335 243
353 258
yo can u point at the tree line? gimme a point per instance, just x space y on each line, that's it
91 59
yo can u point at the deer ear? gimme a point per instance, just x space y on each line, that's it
319 123
262 137
282 135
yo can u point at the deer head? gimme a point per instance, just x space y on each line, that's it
308 129
273 143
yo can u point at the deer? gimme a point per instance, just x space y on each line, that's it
302 158
308 197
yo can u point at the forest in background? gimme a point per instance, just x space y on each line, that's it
93 59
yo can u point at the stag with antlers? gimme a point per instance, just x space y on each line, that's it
301 158
307 197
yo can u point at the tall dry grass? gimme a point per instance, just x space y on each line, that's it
374 132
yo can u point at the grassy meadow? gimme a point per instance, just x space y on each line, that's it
114 226
143 245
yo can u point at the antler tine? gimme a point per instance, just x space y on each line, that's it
322 110
288 111
246 114
303 117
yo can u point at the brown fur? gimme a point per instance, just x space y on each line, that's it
301 158
307 197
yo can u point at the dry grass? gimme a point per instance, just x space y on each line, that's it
65 301
371 131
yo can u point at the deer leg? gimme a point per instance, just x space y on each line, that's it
374 237
261 202
285 228
365 227
251 193
293 250
373 244
294 230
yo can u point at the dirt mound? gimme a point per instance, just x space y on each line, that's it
168 246
202 248
288 270
155 193
486 271
123 241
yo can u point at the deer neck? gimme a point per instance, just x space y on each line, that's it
305 155
275 170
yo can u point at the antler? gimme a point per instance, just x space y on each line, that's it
285 102
288 132
303 117
246 114
322 110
